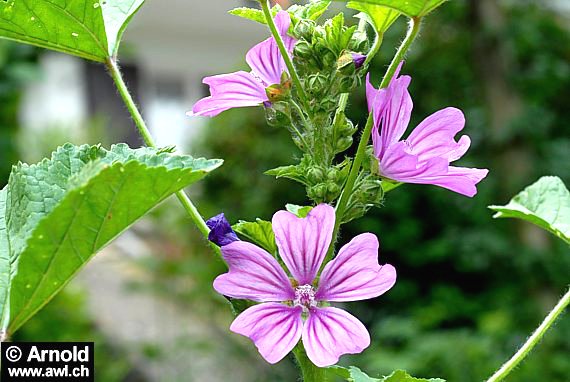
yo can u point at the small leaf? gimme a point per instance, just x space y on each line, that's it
312 11
260 232
402 376
55 215
354 374
300 211
545 203
381 18
253 14
88 29
291 172
411 8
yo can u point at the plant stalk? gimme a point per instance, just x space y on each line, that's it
413 31
309 371
531 342
266 7
143 130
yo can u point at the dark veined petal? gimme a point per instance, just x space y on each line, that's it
274 328
253 274
355 273
239 89
304 242
265 59
331 332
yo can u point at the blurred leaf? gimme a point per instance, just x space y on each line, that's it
545 203
300 211
354 374
88 29
411 8
260 232
381 18
253 14
55 215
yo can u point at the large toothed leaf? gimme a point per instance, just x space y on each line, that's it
410 8
545 203
54 216
253 14
354 374
91 29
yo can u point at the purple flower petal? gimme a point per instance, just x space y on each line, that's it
221 232
434 136
303 242
253 274
399 165
425 156
332 332
231 90
265 58
274 328
355 273
392 109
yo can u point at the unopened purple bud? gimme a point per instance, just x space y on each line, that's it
221 232
358 60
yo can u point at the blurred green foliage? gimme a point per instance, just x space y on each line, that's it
17 65
65 319
470 289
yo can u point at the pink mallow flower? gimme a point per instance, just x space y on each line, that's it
425 156
295 307
242 88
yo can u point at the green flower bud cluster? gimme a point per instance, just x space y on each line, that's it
323 184
368 193
323 59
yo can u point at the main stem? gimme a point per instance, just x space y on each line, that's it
532 340
413 31
266 7
149 141
309 371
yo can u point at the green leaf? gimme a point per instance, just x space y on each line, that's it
381 18
89 29
545 203
300 211
410 8
354 374
294 172
260 232
253 14
55 215
312 11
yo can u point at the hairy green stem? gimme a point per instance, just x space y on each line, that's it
143 130
309 371
266 7
413 31
532 340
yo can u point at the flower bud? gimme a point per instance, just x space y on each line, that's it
317 83
315 175
318 192
303 49
304 29
221 232
343 144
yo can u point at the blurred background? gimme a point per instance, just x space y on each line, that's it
470 289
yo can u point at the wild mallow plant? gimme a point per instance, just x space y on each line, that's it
284 281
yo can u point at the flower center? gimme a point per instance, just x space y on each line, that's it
305 297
